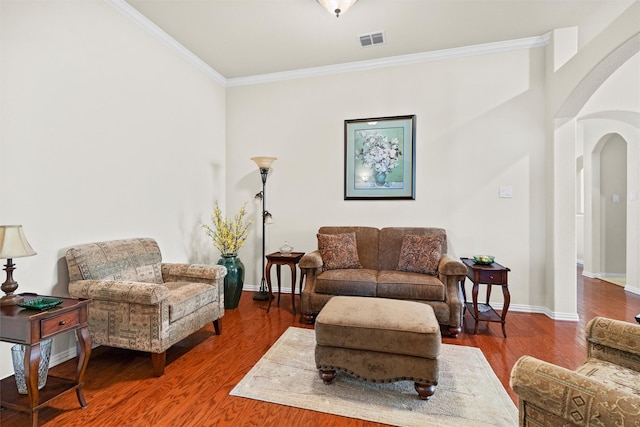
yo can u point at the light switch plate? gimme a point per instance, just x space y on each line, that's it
506 191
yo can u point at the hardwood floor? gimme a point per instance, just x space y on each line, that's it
202 369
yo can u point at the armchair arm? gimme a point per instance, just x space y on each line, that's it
614 341
177 272
571 397
120 291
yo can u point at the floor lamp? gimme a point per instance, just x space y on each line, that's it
264 163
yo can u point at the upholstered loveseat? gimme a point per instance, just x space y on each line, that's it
406 263
140 303
604 391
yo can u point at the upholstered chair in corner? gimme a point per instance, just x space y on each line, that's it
604 391
140 303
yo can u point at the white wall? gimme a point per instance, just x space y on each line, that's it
480 125
106 133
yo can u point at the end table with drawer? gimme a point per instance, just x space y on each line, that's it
29 327
486 274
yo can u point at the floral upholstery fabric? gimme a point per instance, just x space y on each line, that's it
138 302
339 251
420 254
604 391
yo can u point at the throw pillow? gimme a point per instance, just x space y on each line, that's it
420 254
339 251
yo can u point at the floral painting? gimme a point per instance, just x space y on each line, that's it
379 158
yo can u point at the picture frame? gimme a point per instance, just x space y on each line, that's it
379 158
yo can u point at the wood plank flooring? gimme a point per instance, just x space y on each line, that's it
201 370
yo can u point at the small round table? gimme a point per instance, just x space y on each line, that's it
280 259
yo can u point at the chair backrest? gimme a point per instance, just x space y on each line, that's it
137 259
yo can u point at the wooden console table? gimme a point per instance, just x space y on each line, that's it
28 327
280 259
486 274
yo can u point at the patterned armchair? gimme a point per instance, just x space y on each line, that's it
140 303
604 391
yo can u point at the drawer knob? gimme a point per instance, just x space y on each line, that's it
62 322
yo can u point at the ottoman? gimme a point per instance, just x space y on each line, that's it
379 340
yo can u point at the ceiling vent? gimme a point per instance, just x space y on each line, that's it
371 39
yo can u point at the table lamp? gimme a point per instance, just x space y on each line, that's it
13 244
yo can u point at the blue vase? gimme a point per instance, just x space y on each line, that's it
380 178
233 281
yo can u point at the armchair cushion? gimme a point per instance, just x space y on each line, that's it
420 254
339 251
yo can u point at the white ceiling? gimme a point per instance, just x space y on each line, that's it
241 38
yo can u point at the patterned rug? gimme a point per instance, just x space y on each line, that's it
468 394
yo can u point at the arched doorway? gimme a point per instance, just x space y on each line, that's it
605 193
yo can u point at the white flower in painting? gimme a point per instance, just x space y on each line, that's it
378 153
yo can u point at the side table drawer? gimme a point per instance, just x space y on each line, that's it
60 323
492 277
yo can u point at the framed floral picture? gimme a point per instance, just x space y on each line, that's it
379 158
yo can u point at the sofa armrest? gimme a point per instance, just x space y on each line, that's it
120 291
310 261
451 266
614 341
176 272
577 399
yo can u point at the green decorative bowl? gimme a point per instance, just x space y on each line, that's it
483 259
41 303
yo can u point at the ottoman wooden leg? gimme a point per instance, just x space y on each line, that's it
424 390
327 376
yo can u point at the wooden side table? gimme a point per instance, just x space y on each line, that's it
491 274
28 327
280 259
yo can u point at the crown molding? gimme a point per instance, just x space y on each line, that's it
480 49
394 61
130 12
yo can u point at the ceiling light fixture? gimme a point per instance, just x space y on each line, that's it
337 6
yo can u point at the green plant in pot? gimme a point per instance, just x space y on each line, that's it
228 236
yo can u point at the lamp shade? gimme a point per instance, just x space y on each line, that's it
337 6
264 162
13 243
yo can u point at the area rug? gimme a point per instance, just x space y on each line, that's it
468 392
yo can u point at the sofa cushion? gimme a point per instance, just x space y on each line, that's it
338 251
188 297
420 254
411 286
360 282
391 239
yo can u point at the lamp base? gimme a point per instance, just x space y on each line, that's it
261 296
11 300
